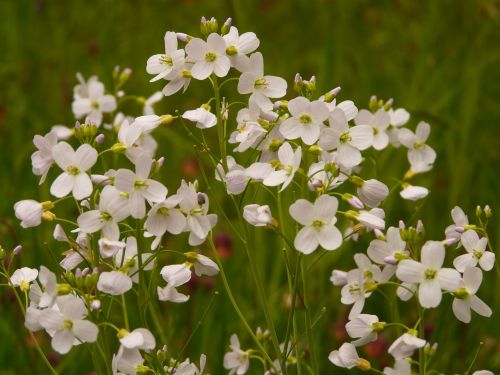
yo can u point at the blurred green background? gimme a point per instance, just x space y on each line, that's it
438 59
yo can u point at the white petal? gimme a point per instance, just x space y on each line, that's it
330 238
62 185
85 331
429 293
62 341
82 186
461 310
306 240
302 211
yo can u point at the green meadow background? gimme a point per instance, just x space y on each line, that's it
438 59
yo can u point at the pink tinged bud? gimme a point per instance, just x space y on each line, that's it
95 271
201 198
277 105
336 91
17 250
160 161
313 79
355 202
99 179
390 102
182 37
127 71
373 98
228 22
390 260
78 273
449 241
401 224
459 229
203 19
212 19
164 348
77 125
378 233
420 226
298 78
120 94
85 271
117 68
100 139
317 184
95 305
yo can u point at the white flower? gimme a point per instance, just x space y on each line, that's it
399 117
476 253
44 295
373 219
128 357
179 79
364 327
29 212
348 141
165 217
203 265
22 277
460 222
390 251
259 216
238 46
209 57
465 296
163 64
188 368
347 106
115 283
108 248
289 163
74 165
483 372
139 338
175 275
319 224
413 193
371 192
429 274
195 205
401 367
139 186
92 102
306 120
253 81
237 360
204 119
112 209
345 357
405 345
235 178
420 155
41 160
379 121
354 292
68 323
148 104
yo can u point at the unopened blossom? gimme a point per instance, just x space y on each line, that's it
389 251
113 207
348 141
401 367
465 296
379 121
420 155
429 274
30 212
460 222
371 192
68 323
140 187
93 102
405 345
347 357
413 193
115 283
62 132
165 217
238 46
108 248
476 253
253 81
22 277
235 178
237 360
208 57
305 121
42 160
195 206
164 63
256 215
203 118
127 259
338 278
364 328
74 165
289 162
319 220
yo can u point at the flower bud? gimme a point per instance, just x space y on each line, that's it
373 105
330 95
2 253
142 370
353 200
388 104
479 211
298 83
166 119
47 205
363 364
314 150
17 250
63 289
100 139
183 37
118 148
48 216
95 305
226 26
487 212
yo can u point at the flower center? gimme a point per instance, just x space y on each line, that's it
163 211
210 57
461 293
305 119
186 73
24 285
477 254
68 324
167 60
140 184
94 104
260 83
418 145
317 224
231 50
430 274
73 170
367 274
105 216
345 137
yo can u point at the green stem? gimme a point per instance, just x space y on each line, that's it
421 334
308 322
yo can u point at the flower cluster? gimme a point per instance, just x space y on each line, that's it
312 150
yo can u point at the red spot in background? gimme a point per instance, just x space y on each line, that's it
224 245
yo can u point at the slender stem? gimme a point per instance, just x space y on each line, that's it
125 313
421 334
310 337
